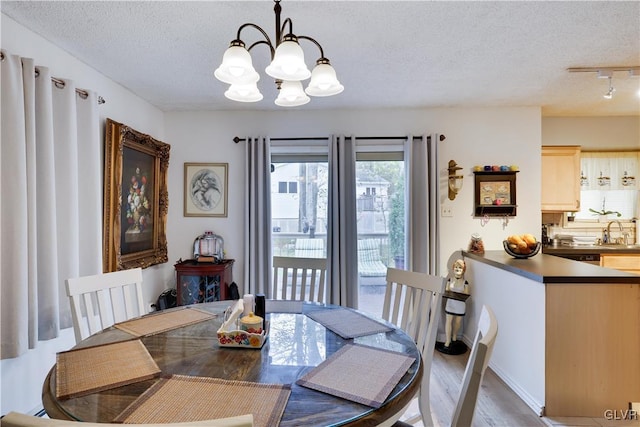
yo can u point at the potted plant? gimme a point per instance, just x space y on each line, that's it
603 213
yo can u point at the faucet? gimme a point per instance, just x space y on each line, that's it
624 235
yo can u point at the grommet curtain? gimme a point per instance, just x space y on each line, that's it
257 216
51 199
342 235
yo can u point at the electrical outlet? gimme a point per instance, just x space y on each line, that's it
446 211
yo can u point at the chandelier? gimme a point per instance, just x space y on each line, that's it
287 67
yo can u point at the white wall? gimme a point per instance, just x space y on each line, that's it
593 133
21 378
473 136
518 357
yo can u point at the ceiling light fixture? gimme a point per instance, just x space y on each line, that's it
609 93
287 67
607 73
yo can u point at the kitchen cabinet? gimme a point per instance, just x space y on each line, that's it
560 178
624 262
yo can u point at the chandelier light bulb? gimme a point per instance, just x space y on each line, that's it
288 62
237 67
244 93
291 94
323 80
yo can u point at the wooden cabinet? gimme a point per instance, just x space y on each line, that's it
560 178
202 282
624 262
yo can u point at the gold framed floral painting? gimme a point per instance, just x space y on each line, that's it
136 200
205 189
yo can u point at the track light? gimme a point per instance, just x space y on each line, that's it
609 93
607 73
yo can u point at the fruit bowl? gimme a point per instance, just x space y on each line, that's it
534 250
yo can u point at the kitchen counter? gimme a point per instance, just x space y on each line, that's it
590 249
568 332
549 269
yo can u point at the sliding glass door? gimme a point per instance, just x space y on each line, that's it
299 202
381 224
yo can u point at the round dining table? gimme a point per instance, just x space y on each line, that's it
295 345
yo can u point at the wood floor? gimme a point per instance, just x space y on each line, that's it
497 404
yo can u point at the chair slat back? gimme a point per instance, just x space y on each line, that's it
299 278
100 300
413 302
476 366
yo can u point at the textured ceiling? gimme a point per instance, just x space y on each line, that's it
387 54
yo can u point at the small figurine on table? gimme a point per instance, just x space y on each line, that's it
456 293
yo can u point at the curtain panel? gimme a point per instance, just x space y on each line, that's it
342 235
421 208
257 217
50 177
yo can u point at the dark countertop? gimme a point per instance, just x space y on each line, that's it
588 250
551 269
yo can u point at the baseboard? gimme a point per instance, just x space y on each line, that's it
530 401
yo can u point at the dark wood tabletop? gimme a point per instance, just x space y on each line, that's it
295 345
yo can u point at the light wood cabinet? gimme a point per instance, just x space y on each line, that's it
560 178
625 262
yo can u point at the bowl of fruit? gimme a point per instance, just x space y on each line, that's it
521 246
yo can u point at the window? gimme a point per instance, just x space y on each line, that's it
287 187
381 214
300 211
609 182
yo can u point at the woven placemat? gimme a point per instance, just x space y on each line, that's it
359 373
164 321
348 324
181 398
92 369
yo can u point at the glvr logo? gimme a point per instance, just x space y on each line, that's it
621 414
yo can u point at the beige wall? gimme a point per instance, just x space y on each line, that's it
592 133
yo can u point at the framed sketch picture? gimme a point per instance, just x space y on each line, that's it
136 200
205 189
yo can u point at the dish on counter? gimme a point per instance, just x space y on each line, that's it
534 250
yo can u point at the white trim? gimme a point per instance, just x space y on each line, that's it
529 400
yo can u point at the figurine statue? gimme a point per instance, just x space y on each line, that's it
455 308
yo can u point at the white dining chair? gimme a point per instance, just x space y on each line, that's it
16 419
100 300
471 380
413 302
299 278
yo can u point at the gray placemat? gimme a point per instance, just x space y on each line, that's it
359 373
347 323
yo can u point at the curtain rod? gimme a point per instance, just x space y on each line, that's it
358 138
61 84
